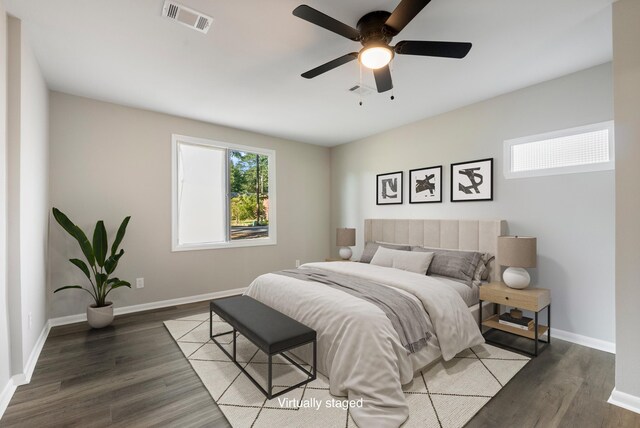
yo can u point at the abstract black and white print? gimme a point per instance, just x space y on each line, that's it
425 185
472 181
389 188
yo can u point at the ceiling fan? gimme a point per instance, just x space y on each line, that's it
375 30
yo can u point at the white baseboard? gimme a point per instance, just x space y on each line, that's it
6 394
25 377
71 319
624 400
587 341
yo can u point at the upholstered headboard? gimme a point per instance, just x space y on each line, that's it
473 235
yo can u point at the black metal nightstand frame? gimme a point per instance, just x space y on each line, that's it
536 339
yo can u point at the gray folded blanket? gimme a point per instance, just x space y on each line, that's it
406 315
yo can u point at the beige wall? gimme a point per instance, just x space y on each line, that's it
571 215
626 65
34 196
5 356
28 151
109 161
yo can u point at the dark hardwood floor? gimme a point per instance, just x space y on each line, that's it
132 374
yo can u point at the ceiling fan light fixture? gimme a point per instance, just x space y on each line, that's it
375 57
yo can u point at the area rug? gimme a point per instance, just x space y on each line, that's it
445 394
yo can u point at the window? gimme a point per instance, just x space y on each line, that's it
583 149
223 195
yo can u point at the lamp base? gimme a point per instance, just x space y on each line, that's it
516 277
345 253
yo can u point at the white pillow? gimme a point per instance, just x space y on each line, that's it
411 261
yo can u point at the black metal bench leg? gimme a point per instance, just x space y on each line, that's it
234 345
315 359
270 379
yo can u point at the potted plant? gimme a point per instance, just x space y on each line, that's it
99 267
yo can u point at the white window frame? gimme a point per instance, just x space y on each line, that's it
600 166
256 242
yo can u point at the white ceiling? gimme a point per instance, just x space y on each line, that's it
245 72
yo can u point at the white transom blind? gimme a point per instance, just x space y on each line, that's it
581 149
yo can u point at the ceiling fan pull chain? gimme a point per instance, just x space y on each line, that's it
393 97
360 88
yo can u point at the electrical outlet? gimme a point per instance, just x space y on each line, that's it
297 263
139 282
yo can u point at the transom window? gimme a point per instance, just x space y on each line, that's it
582 149
223 195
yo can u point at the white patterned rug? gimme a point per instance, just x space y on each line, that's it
445 394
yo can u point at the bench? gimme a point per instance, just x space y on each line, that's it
271 331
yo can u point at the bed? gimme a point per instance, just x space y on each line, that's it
358 348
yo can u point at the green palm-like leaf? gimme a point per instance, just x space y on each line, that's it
100 243
64 221
85 246
118 285
66 287
120 235
82 266
121 284
112 262
77 233
101 279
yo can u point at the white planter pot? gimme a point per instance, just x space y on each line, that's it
100 317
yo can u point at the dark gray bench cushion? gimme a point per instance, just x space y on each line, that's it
268 329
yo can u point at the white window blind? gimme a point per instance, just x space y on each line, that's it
201 194
583 149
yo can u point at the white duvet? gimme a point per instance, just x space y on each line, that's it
358 349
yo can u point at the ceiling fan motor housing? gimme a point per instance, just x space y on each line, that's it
373 30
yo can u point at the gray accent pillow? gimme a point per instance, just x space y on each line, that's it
453 263
370 249
486 259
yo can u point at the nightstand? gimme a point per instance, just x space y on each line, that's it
530 299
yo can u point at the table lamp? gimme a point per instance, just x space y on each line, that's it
518 253
345 238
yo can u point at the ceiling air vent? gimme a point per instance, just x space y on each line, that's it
186 16
361 90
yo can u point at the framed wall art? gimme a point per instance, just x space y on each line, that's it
389 188
472 181
425 185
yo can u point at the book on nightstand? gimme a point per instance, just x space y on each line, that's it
524 323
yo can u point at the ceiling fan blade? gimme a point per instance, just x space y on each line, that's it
330 65
325 21
383 78
404 13
442 49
